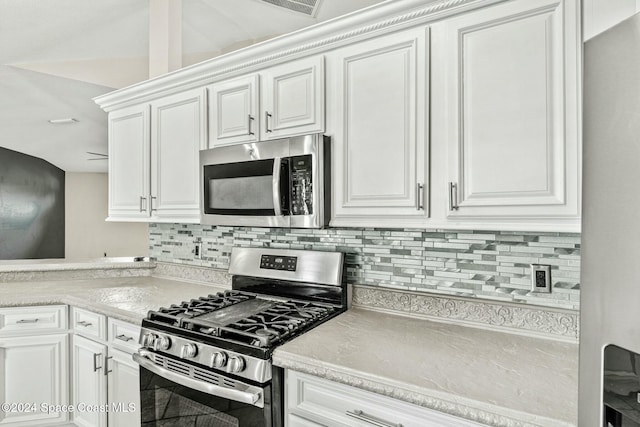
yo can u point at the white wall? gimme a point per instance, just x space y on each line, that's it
87 233
599 15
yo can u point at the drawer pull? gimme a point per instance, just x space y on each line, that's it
85 323
359 415
28 320
123 337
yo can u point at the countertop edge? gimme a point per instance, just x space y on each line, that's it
468 409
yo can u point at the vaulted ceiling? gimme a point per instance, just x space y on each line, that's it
56 55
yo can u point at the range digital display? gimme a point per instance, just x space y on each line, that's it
277 262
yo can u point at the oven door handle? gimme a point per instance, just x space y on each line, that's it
276 187
249 394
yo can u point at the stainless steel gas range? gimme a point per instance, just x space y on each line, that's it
207 362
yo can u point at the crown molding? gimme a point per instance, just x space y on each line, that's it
379 19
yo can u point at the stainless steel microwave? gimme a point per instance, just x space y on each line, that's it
279 183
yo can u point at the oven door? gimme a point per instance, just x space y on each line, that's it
174 393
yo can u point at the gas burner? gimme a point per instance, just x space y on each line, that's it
176 315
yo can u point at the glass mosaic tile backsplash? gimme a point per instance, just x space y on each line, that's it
479 264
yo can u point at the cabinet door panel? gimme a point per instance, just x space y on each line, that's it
293 98
380 105
177 136
233 111
89 386
510 86
129 163
34 370
124 390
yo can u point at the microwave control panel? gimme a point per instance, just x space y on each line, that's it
301 185
277 262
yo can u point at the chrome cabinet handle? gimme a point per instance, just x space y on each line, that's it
28 320
96 356
453 196
123 337
266 121
106 365
419 193
370 419
250 120
151 207
85 323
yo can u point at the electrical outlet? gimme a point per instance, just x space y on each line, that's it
541 278
197 250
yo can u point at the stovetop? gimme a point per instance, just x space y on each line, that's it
277 294
241 318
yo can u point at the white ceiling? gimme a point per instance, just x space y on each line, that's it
56 55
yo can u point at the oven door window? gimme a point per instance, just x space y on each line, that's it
165 403
258 188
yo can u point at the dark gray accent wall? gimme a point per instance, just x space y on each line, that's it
31 207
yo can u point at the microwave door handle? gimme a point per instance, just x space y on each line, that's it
276 187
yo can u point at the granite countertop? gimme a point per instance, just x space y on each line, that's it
124 298
494 378
62 264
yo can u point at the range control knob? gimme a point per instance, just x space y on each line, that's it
188 351
162 343
149 339
218 359
236 364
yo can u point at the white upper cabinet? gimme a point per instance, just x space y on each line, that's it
293 98
281 101
178 133
129 151
154 159
377 101
233 111
508 87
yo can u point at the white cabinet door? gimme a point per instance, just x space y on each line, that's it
314 401
233 111
129 175
178 134
509 74
378 92
89 384
123 389
33 370
293 98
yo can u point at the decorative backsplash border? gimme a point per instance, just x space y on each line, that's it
520 318
488 265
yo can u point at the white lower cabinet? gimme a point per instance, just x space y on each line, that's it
33 373
312 401
105 379
123 389
34 360
89 383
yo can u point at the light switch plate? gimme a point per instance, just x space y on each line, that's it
541 278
